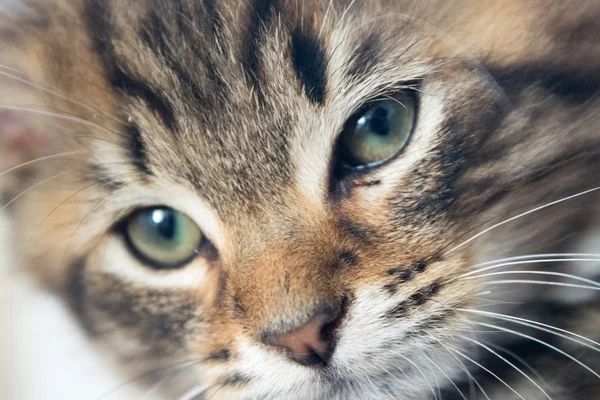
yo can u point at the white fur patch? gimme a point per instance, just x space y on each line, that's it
43 352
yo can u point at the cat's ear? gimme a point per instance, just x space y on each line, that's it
22 136
19 141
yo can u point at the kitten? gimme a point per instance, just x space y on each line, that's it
314 199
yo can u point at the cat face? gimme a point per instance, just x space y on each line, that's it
287 195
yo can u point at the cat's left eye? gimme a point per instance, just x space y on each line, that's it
162 237
378 131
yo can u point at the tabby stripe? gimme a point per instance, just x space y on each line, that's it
220 355
137 150
102 177
310 64
212 12
360 233
153 34
260 12
575 86
236 379
207 10
190 31
101 32
76 290
152 98
416 299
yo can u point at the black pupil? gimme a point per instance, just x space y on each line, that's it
376 120
165 223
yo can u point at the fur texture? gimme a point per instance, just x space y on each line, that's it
229 111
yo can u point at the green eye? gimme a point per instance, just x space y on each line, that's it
378 131
163 237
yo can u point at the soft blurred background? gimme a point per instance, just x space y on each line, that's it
43 353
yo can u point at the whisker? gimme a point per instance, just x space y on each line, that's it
344 14
437 382
222 386
491 303
325 19
542 343
54 210
106 140
167 376
51 91
145 375
50 157
549 260
67 113
545 273
29 189
446 376
472 379
488 371
366 376
536 282
61 115
530 256
536 325
392 375
475 331
61 204
519 359
421 372
87 214
511 364
16 71
196 391
506 221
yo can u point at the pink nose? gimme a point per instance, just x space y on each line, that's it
311 343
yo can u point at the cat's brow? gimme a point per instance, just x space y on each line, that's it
309 62
307 51
260 13
137 150
100 175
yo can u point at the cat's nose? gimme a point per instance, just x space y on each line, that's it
311 343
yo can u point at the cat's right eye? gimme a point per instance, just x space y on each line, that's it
163 238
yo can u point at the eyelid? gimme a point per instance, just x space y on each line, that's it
124 232
179 197
341 170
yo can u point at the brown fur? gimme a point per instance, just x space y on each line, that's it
208 107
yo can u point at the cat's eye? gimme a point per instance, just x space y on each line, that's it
378 131
162 237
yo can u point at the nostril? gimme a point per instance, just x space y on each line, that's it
329 329
313 342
